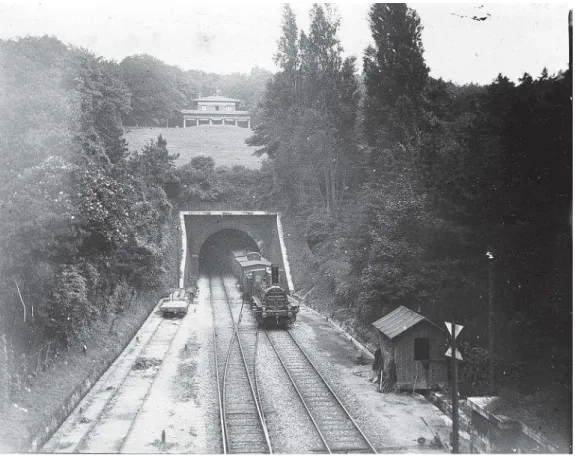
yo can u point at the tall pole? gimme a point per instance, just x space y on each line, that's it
491 326
454 395
570 39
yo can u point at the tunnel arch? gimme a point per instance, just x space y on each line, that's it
263 227
230 225
214 251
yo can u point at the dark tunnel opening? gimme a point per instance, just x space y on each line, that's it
213 253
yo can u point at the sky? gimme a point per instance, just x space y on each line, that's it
228 37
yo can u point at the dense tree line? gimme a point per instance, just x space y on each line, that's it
398 182
309 114
403 183
158 91
82 223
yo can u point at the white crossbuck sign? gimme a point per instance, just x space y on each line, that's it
458 329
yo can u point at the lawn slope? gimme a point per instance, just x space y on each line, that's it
226 145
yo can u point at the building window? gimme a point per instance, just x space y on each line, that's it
421 348
217 108
229 108
203 107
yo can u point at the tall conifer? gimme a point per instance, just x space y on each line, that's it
395 78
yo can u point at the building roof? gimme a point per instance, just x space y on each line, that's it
219 113
217 98
399 320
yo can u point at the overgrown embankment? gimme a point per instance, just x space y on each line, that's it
37 401
320 267
84 226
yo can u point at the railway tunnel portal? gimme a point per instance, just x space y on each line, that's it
206 234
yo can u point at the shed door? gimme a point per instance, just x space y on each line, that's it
421 348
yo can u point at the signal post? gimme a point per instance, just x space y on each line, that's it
453 352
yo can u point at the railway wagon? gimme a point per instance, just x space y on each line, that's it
177 302
261 285
246 263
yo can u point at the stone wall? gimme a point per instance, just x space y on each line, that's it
263 227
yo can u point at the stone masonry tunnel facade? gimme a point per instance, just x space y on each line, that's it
198 226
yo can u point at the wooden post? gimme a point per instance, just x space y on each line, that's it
454 395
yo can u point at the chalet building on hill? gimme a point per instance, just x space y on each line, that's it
215 110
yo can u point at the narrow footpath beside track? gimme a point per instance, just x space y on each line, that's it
105 418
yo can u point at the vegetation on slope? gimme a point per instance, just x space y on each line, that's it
403 208
394 186
84 225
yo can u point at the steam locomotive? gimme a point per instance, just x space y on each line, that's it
262 286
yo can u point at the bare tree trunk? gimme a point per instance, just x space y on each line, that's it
333 175
317 182
21 300
343 184
4 373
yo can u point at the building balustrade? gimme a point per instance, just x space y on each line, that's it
215 110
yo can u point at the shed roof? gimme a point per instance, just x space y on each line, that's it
217 98
398 321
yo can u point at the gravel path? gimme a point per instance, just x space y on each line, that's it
391 421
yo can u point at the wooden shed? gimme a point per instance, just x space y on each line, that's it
414 347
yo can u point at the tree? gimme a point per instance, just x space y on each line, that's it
154 89
199 180
287 56
308 110
79 227
395 78
155 164
104 99
388 247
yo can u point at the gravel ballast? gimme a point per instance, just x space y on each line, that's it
181 412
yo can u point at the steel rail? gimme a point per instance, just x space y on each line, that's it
96 420
299 393
215 341
256 373
145 398
332 392
245 364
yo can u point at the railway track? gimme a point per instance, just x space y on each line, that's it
336 427
107 422
241 418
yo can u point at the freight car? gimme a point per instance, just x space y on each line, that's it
261 286
176 303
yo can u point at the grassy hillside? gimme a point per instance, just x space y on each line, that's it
226 145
